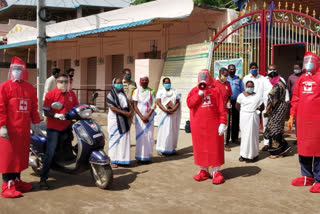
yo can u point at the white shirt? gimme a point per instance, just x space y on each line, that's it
49 85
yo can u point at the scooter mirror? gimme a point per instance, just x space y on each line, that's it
94 95
56 105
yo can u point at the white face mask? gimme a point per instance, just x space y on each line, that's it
297 71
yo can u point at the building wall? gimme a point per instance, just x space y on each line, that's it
135 43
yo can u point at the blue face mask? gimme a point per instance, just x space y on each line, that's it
167 85
118 86
308 66
249 90
253 71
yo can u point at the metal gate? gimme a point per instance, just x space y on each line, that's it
253 37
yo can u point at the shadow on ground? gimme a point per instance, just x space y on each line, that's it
122 182
243 171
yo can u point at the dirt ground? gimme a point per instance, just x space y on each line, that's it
166 186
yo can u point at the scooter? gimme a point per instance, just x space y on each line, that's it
87 154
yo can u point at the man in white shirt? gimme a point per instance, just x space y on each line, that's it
255 77
51 81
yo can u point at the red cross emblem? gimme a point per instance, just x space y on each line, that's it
307 86
23 106
207 100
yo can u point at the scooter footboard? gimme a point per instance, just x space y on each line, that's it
99 157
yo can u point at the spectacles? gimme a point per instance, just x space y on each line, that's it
63 81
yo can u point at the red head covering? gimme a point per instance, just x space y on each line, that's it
18 64
204 77
311 63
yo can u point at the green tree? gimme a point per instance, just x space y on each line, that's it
217 3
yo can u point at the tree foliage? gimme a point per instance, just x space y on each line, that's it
217 3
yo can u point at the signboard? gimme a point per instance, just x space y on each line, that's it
182 66
224 63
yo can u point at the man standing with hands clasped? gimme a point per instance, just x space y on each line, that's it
208 123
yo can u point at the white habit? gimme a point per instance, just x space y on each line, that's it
119 144
144 131
168 129
249 125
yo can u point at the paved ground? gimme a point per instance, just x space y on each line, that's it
166 186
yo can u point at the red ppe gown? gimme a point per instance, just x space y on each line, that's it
206 114
306 108
18 108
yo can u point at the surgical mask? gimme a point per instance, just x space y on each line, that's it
167 85
253 71
250 90
128 76
297 71
308 66
118 86
70 76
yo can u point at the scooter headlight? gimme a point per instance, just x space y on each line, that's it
84 135
85 113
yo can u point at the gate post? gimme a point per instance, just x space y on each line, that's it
263 50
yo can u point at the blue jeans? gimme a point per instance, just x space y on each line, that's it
310 166
52 142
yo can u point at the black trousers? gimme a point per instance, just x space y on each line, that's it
6 177
233 126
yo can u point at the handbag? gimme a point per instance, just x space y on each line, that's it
187 127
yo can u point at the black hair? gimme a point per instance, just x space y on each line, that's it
63 75
55 71
164 79
221 70
125 70
250 82
69 70
253 64
231 65
298 63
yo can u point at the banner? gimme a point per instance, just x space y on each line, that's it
182 66
224 63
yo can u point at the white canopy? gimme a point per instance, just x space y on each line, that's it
113 20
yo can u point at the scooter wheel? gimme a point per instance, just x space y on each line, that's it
102 175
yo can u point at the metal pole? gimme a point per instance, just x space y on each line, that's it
41 55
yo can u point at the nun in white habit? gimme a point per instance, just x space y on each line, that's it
144 104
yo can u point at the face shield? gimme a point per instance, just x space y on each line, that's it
17 70
204 79
311 63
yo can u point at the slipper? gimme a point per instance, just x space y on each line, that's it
227 149
114 165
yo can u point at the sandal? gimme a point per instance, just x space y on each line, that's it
114 165
227 149
241 159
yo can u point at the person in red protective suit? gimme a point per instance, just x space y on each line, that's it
208 123
18 108
305 107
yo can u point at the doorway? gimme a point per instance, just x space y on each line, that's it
286 55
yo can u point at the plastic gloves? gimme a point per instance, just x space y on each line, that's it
4 132
222 129
36 129
59 116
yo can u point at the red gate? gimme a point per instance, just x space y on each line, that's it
252 38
